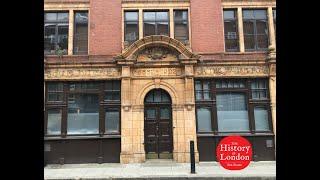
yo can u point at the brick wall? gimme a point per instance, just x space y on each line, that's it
207 26
105 27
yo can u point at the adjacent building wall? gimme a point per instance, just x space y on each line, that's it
206 26
105 27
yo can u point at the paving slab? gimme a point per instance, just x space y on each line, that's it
263 170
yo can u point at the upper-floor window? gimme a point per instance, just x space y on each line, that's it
131 26
80 41
231 30
156 23
56 26
181 31
255 30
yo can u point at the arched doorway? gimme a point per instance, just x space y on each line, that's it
158 140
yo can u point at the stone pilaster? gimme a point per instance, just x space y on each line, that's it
140 24
171 26
240 28
272 86
272 37
126 123
189 113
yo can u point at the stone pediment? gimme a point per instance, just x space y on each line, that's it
156 49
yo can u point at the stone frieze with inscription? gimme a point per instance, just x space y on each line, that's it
232 71
81 73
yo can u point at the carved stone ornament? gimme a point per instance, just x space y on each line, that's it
156 53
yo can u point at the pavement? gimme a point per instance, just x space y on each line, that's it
155 169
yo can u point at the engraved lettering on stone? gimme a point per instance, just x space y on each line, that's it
231 70
81 73
157 72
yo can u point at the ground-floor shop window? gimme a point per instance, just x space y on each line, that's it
232 106
81 108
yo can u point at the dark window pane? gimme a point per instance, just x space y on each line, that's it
218 84
52 96
198 95
157 96
224 84
249 42
116 96
149 97
164 113
262 27
55 96
62 39
206 95
151 113
131 31
247 14
116 85
112 121
49 38
81 17
85 86
260 14
131 16
149 28
262 41
163 28
108 96
248 27
161 16
181 31
108 85
149 16
81 33
206 85
261 119
232 112
255 95
63 17
229 14
259 89
181 25
55 87
54 121
50 16
231 35
198 85
164 97
204 120
180 15
83 114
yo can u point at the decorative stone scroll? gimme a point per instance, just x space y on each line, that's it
156 72
232 71
81 73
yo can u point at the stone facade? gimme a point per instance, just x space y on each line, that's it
172 67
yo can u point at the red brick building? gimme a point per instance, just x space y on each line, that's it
131 80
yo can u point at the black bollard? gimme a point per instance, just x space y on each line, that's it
192 158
